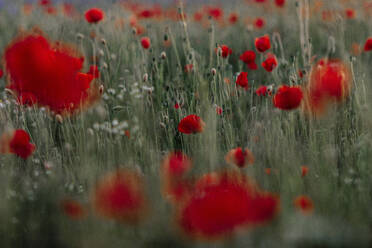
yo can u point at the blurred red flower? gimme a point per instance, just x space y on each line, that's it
17 142
233 18
93 70
225 51
304 170
263 91
219 110
330 82
259 23
368 45
263 43
350 13
120 196
188 68
94 15
280 3
173 171
145 42
222 203
288 98
249 58
304 204
270 63
48 75
240 157
198 16
191 124
73 209
45 2
242 80
215 12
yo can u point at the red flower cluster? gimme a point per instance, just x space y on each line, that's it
48 74
221 203
191 124
94 15
120 196
288 98
17 142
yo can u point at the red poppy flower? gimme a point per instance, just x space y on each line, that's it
176 164
368 45
259 23
304 204
280 3
94 15
73 209
304 170
330 81
350 13
225 51
215 12
68 9
263 43
49 75
45 2
249 58
191 124
17 142
288 98
242 80
198 16
270 63
240 157
174 168
188 68
301 73
93 70
120 196
145 42
263 91
219 110
222 204
233 18
146 13
1 73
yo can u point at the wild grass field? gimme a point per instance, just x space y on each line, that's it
186 124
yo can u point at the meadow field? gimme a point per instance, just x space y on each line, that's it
242 123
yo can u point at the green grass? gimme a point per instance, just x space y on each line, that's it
337 148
